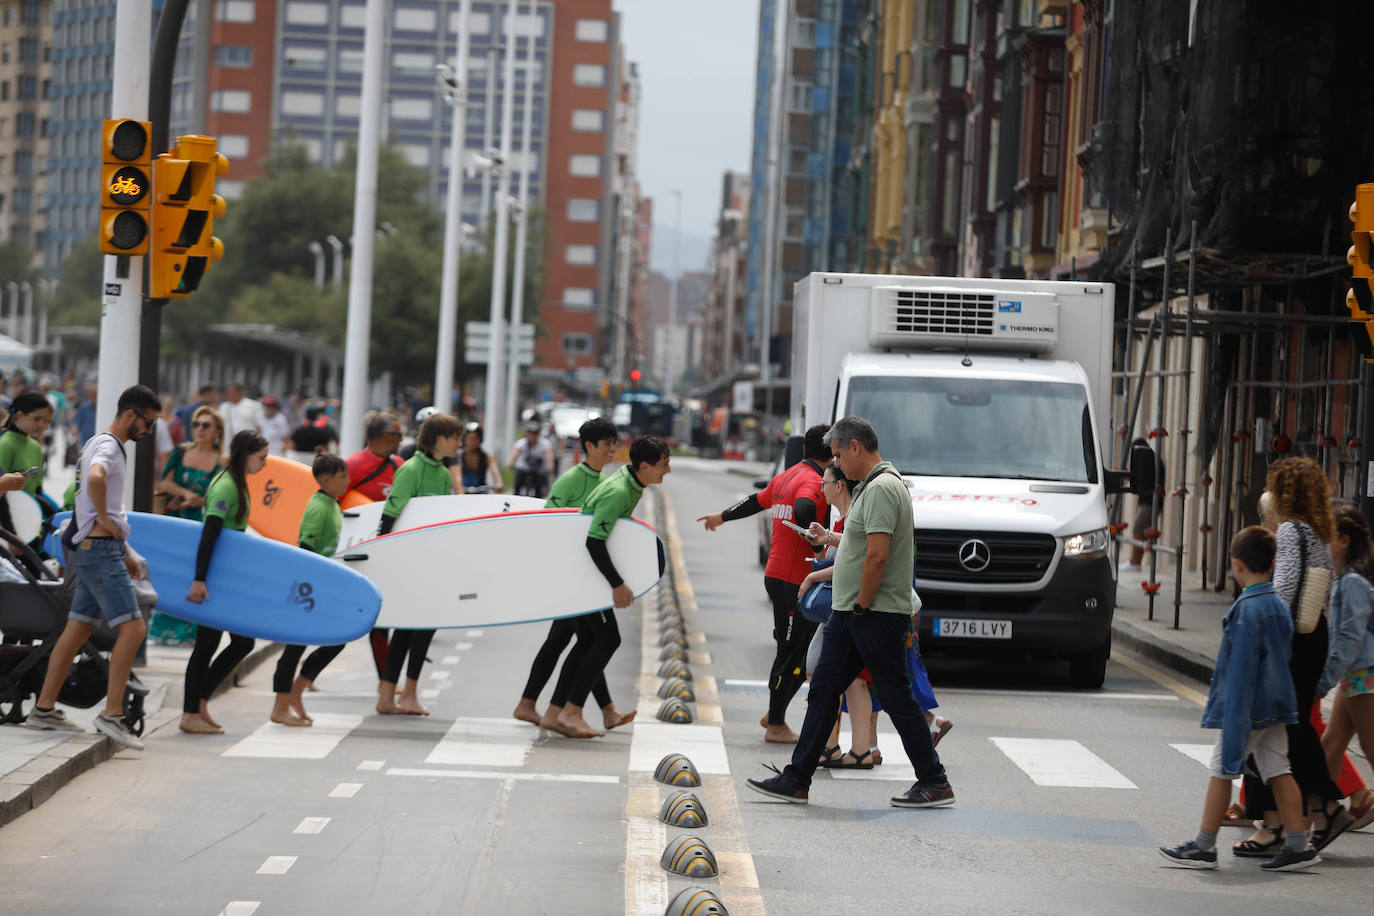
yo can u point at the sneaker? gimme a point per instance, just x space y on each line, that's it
781 787
51 719
115 729
1128 566
1336 824
1288 860
1189 855
925 795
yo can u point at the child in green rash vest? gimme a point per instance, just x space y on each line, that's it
320 534
599 440
424 474
21 446
614 499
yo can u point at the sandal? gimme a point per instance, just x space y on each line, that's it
1253 849
860 761
831 757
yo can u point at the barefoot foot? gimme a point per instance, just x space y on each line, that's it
409 706
779 734
525 711
196 725
289 718
573 725
614 718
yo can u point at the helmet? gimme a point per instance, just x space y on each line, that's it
424 413
474 427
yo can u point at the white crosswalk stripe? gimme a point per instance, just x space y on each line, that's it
1061 762
285 741
1202 753
485 742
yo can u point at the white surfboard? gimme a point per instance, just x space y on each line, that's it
501 569
361 522
26 514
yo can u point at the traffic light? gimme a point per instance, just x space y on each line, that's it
124 187
185 207
1360 300
636 375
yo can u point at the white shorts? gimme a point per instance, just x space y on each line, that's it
1270 749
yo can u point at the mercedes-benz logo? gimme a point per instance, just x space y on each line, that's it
974 555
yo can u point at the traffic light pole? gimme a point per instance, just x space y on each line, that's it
122 290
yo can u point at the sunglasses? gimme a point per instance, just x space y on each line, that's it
203 424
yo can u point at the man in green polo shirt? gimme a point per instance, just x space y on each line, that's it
872 596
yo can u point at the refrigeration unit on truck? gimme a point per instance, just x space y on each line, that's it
990 397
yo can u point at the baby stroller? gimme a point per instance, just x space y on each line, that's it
33 613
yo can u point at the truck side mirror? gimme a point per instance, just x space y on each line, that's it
1118 481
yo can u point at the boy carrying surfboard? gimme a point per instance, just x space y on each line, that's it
615 498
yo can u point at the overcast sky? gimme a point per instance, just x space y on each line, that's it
696 64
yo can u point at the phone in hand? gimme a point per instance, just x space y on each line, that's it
31 471
797 528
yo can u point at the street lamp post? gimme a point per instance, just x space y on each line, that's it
670 370
318 251
454 84
338 246
517 305
496 358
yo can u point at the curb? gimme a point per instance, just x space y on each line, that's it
1176 658
35 782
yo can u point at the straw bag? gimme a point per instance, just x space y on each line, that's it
1314 586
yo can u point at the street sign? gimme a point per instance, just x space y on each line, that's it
477 343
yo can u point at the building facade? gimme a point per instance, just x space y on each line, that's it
25 87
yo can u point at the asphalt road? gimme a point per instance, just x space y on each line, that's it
1062 794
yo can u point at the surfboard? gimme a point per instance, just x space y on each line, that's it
277 496
360 522
353 499
26 514
257 587
495 570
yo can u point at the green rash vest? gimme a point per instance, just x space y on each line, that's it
320 524
615 498
19 452
573 486
421 475
222 501
881 505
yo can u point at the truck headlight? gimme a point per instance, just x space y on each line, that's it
1087 543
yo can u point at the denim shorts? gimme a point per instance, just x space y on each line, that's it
103 586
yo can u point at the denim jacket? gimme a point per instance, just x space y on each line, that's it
1352 629
1251 687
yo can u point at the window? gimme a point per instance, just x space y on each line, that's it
525 26
585 165
353 16
238 101
416 154
235 11
350 60
413 19
28 50
577 343
579 297
302 104
229 189
582 210
588 119
804 33
235 146
27 87
303 57
478 23
412 109
589 76
348 106
593 30
414 62
237 55
799 97
30 13
300 13
580 255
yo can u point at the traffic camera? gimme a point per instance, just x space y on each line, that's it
185 207
124 182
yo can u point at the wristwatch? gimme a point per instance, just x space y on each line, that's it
860 609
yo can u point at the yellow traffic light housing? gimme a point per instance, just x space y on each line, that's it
1360 299
125 195
185 208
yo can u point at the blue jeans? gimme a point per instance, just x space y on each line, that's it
103 586
853 641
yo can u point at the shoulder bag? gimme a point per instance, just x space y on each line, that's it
1314 587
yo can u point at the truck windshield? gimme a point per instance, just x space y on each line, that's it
968 427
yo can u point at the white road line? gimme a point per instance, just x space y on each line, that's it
440 675
371 765
519 777
241 908
449 660
896 765
1061 762
285 741
276 865
461 646
1202 753
485 742
429 693
704 745
345 790
311 825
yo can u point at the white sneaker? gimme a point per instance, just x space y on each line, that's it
1128 566
51 720
114 728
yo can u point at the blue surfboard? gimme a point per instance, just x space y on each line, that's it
258 587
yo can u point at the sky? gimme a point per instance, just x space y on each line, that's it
696 66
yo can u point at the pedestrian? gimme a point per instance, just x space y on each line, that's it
795 500
226 506
239 411
480 472
532 459
319 533
274 426
1253 701
599 439
1301 497
83 420
613 499
1148 484
207 395
95 542
423 474
371 471
873 601
21 447
309 439
1350 662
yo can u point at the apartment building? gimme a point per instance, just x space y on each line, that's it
724 338
25 82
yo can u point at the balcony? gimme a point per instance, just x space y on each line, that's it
1092 227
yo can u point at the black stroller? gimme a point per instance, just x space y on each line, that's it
33 613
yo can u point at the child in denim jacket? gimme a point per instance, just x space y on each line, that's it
1251 701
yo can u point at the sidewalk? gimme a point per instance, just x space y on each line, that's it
1190 650
35 764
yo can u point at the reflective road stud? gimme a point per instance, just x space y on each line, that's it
675 711
677 770
675 667
672 652
690 857
695 901
683 809
677 687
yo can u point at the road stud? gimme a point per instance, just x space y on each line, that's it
677 770
690 857
677 687
695 901
683 809
675 712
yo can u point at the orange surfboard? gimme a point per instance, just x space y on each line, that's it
353 499
277 496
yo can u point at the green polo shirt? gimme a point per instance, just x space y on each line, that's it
421 475
222 501
572 487
19 452
881 505
615 498
320 524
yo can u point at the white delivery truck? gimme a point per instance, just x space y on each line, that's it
990 397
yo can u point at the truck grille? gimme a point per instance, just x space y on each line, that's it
1013 558
954 312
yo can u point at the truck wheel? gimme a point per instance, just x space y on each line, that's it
1089 669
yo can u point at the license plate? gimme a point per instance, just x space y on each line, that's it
978 629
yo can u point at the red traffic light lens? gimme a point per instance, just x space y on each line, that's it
635 375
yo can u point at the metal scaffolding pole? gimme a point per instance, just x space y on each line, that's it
1158 432
1184 432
